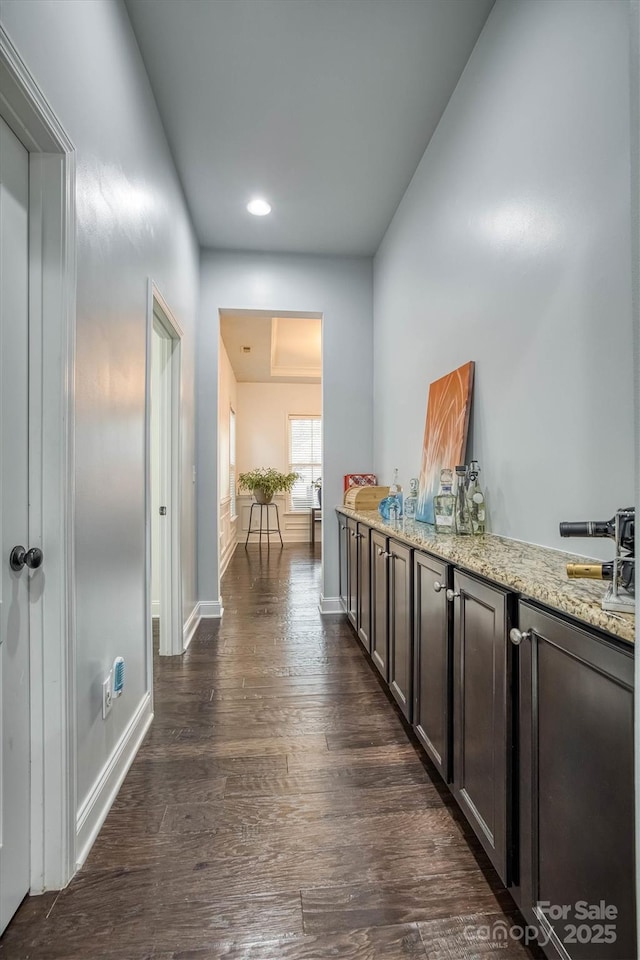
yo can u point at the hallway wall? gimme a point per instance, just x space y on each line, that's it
132 224
511 248
341 289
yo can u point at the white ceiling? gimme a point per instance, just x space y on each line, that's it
324 107
283 349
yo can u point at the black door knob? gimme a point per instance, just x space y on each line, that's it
19 557
33 558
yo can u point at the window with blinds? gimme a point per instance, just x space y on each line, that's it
305 458
232 460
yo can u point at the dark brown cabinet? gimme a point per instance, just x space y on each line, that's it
576 787
364 586
482 715
400 626
343 561
380 602
433 659
352 572
531 726
354 580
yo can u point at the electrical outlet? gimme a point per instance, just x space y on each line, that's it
107 697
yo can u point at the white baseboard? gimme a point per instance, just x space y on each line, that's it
155 609
330 605
226 556
190 626
210 609
294 527
95 808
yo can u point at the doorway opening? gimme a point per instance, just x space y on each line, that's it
163 422
270 415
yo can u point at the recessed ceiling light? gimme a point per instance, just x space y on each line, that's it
259 207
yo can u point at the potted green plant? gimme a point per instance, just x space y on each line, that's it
264 482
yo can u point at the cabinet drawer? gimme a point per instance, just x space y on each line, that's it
379 603
364 586
482 715
352 568
576 784
433 660
400 626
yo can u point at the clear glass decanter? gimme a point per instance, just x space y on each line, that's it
444 504
475 499
395 491
411 500
463 518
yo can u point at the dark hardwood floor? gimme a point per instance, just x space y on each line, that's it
277 809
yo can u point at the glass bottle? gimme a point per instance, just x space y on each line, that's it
395 491
411 501
463 519
444 504
475 499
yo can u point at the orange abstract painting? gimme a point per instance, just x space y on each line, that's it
445 433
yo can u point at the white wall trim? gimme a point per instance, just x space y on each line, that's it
96 806
330 605
191 625
211 609
52 311
294 526
227 553
155 609
228 534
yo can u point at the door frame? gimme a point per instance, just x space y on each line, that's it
171 574
634 117
52 311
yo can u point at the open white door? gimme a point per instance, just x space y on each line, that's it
166 594
17 574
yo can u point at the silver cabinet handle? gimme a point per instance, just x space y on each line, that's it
383 553
359 536
353 533
517 636
343 526
451 596
437 586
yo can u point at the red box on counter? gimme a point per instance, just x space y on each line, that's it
359 480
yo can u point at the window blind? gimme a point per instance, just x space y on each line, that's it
305 458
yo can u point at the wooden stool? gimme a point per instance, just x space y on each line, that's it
266 530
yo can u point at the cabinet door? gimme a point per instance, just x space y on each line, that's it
343 560
433 655
364 586
352 567
576 785
380 602
400 626
482 715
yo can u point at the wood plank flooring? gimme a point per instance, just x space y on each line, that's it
277 810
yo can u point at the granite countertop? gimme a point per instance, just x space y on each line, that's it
535 572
